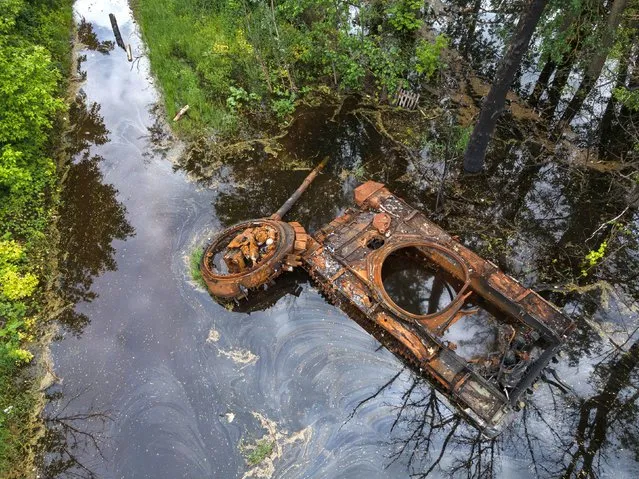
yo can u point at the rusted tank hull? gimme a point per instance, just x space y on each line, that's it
346 259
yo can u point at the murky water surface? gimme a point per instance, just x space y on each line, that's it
414 284
156 380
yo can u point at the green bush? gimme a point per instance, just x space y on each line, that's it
428 56
34 58
404 15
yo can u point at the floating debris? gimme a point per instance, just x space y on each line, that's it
262 454
213 337
240 356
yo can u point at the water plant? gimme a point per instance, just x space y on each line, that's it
194 266
257 452
593 258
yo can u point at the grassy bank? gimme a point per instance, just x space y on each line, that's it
34 63
233 61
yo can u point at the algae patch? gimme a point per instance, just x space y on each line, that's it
238 356
261 454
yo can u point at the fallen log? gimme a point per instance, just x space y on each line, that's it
116 31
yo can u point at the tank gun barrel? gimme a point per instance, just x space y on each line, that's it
288 204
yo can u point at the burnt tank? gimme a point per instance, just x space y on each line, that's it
351 259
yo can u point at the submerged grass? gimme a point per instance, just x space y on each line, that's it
194 263
256 453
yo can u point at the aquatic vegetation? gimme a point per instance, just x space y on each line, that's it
262 454
256 453
594 257
194 266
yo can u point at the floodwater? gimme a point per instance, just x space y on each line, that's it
156 380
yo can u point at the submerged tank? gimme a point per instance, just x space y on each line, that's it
358 260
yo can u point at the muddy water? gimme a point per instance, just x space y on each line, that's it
156 380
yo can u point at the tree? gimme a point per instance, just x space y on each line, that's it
552 57
596 63
494 103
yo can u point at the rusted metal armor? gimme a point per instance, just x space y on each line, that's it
346 259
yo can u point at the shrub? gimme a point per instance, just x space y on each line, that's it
34 54
428 56
404 15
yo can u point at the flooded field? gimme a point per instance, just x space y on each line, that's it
157 380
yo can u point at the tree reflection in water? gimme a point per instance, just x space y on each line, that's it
91 217
87 126
559 433
71 436
606 422
90 40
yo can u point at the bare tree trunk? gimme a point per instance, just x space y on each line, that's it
591 75
494 102
559 82
551 65
607 134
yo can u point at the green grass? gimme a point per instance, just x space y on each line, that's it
255 454
178 43
194 265
242 64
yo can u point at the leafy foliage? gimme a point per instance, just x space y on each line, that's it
268 55
627 97
27 85
404 15
594 257
29 82
429 55
34 53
